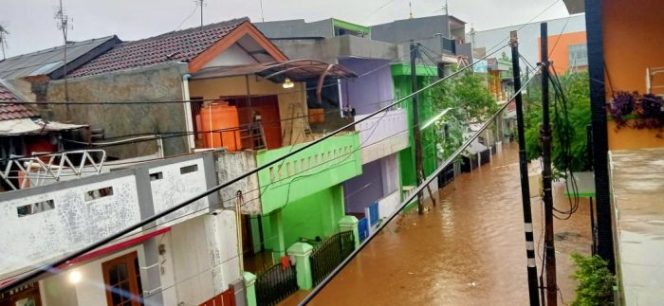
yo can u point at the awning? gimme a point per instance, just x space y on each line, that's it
33 126
296 70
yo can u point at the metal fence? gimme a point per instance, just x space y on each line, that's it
275 284
329 254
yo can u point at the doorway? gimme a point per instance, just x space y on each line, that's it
123 281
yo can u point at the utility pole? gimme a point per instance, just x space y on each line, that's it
549 247
63 25
523 168
201 3
262 12
414 53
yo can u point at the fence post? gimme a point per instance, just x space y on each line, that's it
349 223
249 286
302 252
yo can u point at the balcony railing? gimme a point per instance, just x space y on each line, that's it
383 135
317 168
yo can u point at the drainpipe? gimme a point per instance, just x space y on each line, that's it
341 100
188 119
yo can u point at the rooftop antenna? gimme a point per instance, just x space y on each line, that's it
3 41
64 24
201 3
410 8
445 8
262 12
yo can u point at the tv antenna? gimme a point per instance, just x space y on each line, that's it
3 41
202 4
64 24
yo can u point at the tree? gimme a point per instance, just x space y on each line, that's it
468 100
595 281
570 117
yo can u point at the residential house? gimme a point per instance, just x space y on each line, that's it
375 193
23 132
443 45
224 85
157 264
567 34
30 73
624 55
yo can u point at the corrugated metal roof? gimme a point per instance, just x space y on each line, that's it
48 60
181 46
11 111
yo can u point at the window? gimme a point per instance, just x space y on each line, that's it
98 193
578 55
188 169
35 208
123 281
156 176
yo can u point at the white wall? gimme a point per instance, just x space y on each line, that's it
72 224
174 188
202 267
233 56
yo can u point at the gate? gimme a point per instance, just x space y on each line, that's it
329 254
275 284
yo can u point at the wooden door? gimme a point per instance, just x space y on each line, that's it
123 281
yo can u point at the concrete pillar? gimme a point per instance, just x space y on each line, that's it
349 223
302 251
249 286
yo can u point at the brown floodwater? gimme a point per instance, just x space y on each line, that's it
468 250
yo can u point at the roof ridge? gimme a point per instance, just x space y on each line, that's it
50 49
191 29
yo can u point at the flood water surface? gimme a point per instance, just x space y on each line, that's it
468 250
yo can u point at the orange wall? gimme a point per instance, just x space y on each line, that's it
632 42
560 54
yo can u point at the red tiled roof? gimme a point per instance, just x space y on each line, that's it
181 45
9 111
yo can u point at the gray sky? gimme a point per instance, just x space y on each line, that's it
32 26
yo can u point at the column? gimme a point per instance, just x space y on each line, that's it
302 251
249 286
349 223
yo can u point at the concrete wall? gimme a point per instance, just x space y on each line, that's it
76 220
154 84
331 49
203 267
292 102
297 28
73 222
231 165
365 189
370 92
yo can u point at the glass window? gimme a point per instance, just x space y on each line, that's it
578 55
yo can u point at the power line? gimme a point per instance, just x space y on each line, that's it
155 217
407 201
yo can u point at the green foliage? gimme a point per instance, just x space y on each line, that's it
468 99
596 282
569 129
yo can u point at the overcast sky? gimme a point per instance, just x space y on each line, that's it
32 26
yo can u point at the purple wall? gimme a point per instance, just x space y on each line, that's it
367 93
365 189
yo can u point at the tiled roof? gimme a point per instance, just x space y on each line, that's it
181 45
9 111
48 61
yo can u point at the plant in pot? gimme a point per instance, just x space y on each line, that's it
622 105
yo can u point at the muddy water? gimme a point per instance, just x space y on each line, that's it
468 250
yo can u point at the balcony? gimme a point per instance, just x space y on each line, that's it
317 168
383 134
45 222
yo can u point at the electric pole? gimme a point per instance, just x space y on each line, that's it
523 168
64 23
201 3
414 53
549 247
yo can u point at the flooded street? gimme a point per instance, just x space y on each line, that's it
469 250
